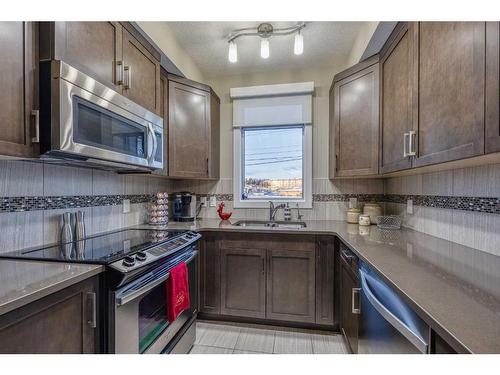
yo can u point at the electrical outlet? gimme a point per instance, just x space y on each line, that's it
126 206
213 201
203 201
353 202
409 206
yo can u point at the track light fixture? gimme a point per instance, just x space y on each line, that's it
265 31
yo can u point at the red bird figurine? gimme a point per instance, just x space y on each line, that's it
223 215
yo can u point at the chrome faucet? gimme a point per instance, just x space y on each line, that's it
273 210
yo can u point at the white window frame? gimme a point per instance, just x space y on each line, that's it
307 163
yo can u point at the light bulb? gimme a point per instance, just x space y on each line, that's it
264 48
233 52
298 47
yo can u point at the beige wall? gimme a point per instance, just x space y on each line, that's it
361 41
163 36
322 80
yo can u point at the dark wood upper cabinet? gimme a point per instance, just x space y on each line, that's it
349 321
243 282
492 87
325 269
60 323
114 53
164 116
193 130
209 274
395 100
354 121
448 90
141 74
18 79
291 285
91 47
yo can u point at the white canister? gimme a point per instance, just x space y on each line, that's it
364 220
373 210
353 215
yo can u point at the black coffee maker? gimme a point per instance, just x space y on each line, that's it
184 206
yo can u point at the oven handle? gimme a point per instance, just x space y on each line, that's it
126 298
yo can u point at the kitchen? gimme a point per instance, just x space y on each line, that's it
250 187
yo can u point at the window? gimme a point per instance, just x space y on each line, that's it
272 128
272 163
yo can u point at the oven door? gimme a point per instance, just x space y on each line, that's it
140 323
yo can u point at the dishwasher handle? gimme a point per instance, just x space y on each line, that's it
389 316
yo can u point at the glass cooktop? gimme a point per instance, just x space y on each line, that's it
100 249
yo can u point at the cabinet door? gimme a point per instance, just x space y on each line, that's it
449 85
209 275
291 285
349 320
492 87
18 77
164 116
189 119
58 324
395 91
243 282
356 123
325 259
141 74
92 47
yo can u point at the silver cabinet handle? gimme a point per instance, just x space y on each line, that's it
119 72
127 72
92 301
355 310
36 114
411 136
405 152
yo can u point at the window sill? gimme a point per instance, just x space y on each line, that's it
304 204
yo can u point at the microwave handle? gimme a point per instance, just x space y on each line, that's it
151 132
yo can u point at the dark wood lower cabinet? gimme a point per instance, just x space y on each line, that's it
275 278
59 323
325 272
209 274
291 285
349 283
243 282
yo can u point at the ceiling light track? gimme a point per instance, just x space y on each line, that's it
265 31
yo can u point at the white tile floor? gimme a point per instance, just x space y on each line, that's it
232 338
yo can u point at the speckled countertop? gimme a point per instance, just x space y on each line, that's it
454 288
22 282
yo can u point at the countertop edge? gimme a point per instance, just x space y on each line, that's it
48 290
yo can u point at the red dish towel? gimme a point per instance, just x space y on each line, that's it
177 291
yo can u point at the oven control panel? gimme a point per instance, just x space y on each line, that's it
143 258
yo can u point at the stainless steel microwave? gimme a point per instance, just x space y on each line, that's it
86 123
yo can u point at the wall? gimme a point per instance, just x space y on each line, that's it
162 35
475 229
361 41
34 226
331 209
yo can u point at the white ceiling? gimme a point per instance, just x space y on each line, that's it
206 43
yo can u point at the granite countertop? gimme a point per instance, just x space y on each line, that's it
454 288
22 282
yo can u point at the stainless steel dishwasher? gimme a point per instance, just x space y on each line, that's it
388 324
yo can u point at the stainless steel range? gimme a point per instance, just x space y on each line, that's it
138 263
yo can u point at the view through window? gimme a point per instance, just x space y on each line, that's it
273 163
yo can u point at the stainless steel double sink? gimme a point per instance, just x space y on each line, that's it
270 224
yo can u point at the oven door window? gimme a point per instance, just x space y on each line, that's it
96 126
152 316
